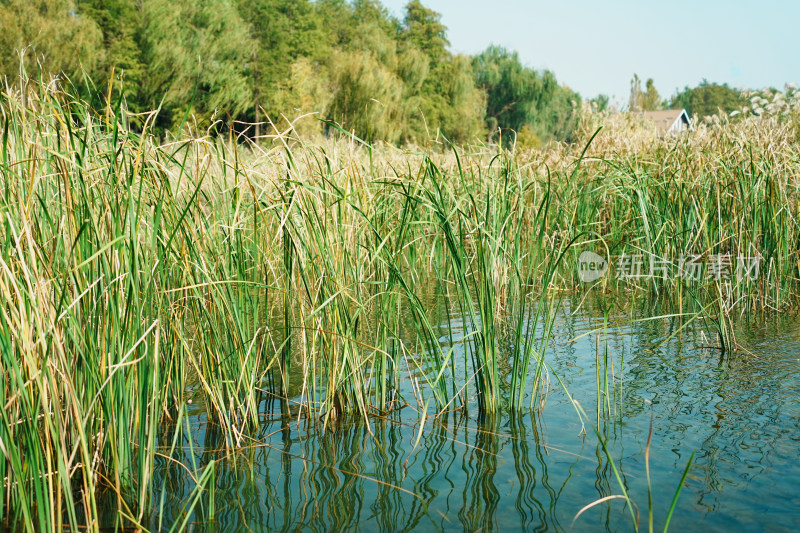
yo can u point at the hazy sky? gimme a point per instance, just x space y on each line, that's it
596 46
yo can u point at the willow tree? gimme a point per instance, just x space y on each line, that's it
519 96
446 100
366 95
424 29
121 24
451 104
302 97
413 68
511 88
557 115
198 54
462 121
289 41
367 90
53 34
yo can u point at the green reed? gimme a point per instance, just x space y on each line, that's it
134 272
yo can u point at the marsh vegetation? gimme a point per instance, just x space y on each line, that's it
146 281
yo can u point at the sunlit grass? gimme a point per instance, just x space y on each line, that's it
132 268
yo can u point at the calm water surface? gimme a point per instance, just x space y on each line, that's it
535 472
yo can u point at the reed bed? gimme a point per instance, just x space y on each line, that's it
135 269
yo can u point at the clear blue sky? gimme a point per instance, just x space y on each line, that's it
596 46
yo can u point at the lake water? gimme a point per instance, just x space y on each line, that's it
536 471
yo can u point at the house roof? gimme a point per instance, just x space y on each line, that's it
666 119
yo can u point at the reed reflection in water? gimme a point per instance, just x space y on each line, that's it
463 474
531 472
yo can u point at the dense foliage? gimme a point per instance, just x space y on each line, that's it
708 99
252 61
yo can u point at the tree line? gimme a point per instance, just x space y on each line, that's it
707 99
352 63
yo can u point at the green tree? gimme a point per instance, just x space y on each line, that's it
350 61
342 18
372 11
517 96
367 90
600 102
510 88
366 95
423 28
451 103
197 54
651 101
283 32
121 24
413 67
386 84
708 99
446 99
60 37
306 90
643 100
557 115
